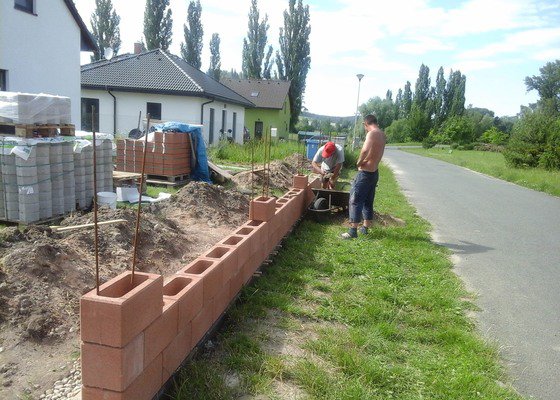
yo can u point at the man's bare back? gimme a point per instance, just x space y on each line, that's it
373 149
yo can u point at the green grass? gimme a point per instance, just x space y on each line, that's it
380 317
494 164
405 144
236 153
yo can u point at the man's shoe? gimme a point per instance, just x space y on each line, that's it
363 230
351 234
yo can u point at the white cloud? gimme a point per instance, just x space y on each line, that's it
423 45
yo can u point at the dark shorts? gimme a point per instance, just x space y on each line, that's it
362 196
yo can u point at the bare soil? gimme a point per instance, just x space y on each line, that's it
44 273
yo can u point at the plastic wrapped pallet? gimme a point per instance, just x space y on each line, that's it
28 184
57 177
80 172
28 108
45 183
69 179
88 169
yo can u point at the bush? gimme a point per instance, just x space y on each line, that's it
459 130
535 141
494 136
428 142
398 132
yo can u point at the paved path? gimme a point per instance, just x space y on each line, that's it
506 244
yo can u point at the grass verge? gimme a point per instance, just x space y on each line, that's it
380 317
494 164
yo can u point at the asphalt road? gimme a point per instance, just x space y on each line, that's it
506 245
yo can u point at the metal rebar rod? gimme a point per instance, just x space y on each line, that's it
264 164
269 158
96 229
252 170
139 211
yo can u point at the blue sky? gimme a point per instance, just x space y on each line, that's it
495 43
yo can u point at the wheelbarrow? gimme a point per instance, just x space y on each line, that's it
328 202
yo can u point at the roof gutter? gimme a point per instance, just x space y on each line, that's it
114 113
202 111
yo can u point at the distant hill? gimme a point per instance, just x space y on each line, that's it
319 117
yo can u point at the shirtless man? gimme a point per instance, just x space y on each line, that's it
362 193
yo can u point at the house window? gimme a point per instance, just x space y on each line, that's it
3 79
88 113
224 123
25 5
211 127
154 109
234 126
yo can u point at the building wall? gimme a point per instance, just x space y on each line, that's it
41 52
279 119
173 108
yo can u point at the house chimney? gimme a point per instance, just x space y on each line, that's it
138 48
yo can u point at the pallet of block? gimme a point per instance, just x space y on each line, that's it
36 130
168 157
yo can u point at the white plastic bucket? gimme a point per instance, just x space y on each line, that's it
107 199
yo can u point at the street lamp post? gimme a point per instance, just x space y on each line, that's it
359 76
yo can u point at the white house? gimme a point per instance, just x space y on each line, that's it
125 89
40 43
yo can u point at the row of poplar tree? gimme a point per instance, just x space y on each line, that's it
292 59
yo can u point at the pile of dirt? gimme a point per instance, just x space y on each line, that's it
212 203
281 176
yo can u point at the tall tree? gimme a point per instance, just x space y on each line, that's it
407 100
157 24
215 63
422 88
454 98
293 60
191 49
398 104
267 66
105 27
439 98
547 84
255 43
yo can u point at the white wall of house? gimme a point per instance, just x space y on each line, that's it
173 108
41 53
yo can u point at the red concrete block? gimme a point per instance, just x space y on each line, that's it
110 367
243 244
237 281
221 301
174 138
177 351
158 137
300 181
122 309
210 272
187 291
226 258
262 208
202 323
161 332
260 233
145 387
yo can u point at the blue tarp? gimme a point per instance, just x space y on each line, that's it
199 171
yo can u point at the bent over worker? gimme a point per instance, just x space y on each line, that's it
328 162
362 193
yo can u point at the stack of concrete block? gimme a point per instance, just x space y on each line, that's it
45 181
28 108
57 178
80 178
9 182
40 179
87 153
107 165
69 180
28 187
